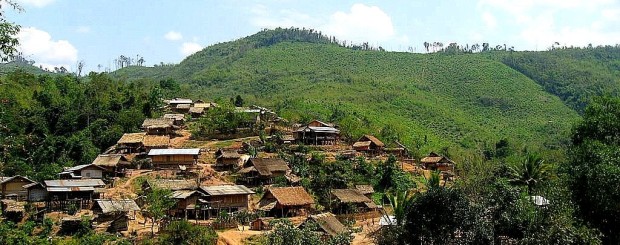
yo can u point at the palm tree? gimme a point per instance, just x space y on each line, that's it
531 172
400 205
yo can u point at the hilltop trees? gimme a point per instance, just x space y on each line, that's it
594 169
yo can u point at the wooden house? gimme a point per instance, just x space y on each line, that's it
286 201
350 200
366 190
230 198
196 112
369 144
263 170
261 223
326 223
173 158
36 192
180 105
184 192
317 133
113 164
158 126
130 143
435 161
85 171
108 209
226 159
177 119
13 187
80 192
397 149
156 142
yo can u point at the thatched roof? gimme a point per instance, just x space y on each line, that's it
361 144
197 110
173 184
365 189
180 101
131 138
266 166
435 158
227 154
201 105
156 140
110 160
112 206
328 223
372 139
350 196
13 206
291 196
157 123
177 117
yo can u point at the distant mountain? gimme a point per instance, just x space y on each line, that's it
431 101
23 66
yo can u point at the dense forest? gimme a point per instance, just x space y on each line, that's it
517 123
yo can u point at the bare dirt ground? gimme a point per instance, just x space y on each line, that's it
369 226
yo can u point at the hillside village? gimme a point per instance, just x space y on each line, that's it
238 186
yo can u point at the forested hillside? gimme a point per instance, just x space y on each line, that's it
430 101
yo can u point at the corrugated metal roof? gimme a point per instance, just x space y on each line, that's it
182 194
219 190
70 189
160 152
123 205
180 101
74 183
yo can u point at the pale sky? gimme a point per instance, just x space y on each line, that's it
63 32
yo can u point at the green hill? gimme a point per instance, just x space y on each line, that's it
430 101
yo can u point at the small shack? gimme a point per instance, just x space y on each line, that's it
113 164
196 112
158 126
36 192
173 158
156 142
368 144
263 170
261 223
114 215
180 105
350 201
227 159
327 224
286 201
177 119
435 161
85 171
130 143
13 187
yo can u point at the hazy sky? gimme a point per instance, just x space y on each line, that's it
62 32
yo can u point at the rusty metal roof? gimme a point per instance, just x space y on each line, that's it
220 190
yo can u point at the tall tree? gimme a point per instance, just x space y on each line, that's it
593 171
530 172
8 31
158 203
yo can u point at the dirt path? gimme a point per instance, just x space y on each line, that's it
235 236
126 190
